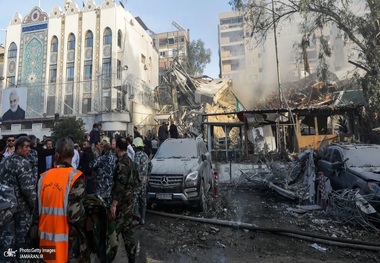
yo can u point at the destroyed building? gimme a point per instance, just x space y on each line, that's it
314 111
184 99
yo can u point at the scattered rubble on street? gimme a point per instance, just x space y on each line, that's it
298 181
286 198
168 239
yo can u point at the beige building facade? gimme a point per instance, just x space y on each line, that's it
253 67
239 59
172 45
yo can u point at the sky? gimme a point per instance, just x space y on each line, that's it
199 16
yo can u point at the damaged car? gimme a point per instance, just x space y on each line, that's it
182 173
353 167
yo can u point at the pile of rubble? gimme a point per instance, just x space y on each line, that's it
298 181
186 98
311 92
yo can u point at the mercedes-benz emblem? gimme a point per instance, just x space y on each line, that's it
164 180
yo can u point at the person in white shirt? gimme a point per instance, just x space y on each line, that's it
76 157
130 151
10 146
154 143
75 160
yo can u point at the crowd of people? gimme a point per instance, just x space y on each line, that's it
53 184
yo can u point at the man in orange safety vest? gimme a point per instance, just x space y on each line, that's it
59 211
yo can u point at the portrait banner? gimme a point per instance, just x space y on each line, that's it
14 103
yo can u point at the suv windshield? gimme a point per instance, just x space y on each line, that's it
363 157
178 148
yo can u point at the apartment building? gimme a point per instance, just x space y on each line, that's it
245 62
2 50
239 59
172 45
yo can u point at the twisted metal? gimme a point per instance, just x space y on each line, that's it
343 205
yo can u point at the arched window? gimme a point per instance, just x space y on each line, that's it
71 42
107 37
89 39
12 51
119 38
54 44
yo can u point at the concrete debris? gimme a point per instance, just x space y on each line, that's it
309 207
286 193
220 245
320 221
296 210
363 204
214 229
310 91
302 209
184 99
297 181
318 247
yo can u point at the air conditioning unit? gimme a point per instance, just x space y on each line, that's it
131 22
145 67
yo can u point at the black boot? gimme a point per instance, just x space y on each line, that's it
131 259
142 214
132 255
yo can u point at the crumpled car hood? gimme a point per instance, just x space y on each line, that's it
174 166
367 173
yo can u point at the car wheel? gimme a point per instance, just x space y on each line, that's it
202 202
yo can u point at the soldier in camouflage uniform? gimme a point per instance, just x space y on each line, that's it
8 204
122 194
33 155
144 167
104 167
16 172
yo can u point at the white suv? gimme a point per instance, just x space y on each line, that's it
182 173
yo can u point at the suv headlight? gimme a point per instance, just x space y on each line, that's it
191 179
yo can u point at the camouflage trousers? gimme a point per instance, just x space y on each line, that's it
108 201
78 247
7 240
90 184
23 222
124 227
139 203
14 235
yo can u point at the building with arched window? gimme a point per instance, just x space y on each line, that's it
83 62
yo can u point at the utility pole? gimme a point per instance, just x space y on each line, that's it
277 61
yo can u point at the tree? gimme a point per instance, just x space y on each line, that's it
197 58
357 20
70 126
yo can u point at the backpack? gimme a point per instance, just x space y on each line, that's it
8 204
